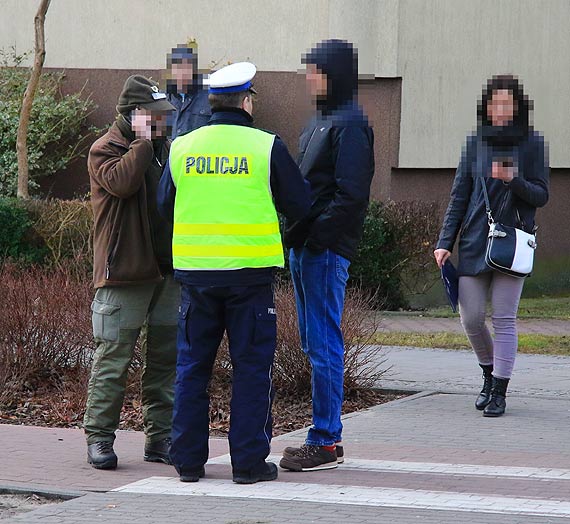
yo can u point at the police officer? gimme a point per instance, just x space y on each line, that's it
222 186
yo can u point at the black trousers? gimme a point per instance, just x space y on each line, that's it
248 316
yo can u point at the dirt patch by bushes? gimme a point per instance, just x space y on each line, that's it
289 413
12 505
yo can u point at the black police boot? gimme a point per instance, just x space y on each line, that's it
101 455
192 476
485 395
158 451
497 404
265 472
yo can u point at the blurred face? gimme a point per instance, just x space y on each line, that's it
316 82
149 124
182 75
501 108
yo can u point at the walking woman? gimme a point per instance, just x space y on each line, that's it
510 158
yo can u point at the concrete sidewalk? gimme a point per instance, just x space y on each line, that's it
457 371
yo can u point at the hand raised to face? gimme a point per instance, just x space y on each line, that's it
149 125
502 172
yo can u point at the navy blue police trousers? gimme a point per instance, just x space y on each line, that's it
248 316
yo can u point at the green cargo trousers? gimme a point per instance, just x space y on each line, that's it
118 315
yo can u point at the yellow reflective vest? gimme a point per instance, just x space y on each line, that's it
224 215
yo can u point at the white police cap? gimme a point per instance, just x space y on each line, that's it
232 79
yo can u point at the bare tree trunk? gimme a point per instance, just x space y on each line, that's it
22 137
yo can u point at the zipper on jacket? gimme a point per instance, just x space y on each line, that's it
112 253
308 144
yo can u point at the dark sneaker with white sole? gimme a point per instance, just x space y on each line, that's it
266 472
292 451
309 458
158 451
101 455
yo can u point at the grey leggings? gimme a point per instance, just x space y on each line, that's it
505 296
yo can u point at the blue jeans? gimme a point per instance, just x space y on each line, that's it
320 282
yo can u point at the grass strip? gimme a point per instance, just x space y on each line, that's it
528 342
550 308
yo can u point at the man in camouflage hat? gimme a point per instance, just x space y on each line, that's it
132 273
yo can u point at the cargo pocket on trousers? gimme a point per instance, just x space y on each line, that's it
183 335
265 326
106 321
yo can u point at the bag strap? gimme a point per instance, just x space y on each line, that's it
480 160
487 203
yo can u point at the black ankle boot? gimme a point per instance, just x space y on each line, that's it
485 395
497 404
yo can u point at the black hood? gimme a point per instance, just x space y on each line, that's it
337 59
520 127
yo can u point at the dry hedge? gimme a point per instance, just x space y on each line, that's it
65 228
46 349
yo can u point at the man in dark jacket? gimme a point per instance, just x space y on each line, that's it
337 158
185 91
132 273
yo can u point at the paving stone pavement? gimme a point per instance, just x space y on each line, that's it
429 457
127 508
55 458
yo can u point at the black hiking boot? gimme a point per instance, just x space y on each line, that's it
101 455
158 451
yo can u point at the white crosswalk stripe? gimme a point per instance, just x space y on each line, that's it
433 468
377 496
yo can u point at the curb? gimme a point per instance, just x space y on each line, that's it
418 393
412 395
41 491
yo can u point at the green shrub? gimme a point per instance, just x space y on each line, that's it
57 129
416 227
52 233
18 241
376 267
395 259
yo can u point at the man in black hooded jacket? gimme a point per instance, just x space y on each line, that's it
337 158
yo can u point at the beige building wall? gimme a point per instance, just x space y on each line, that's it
131 34
443 49
448 48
